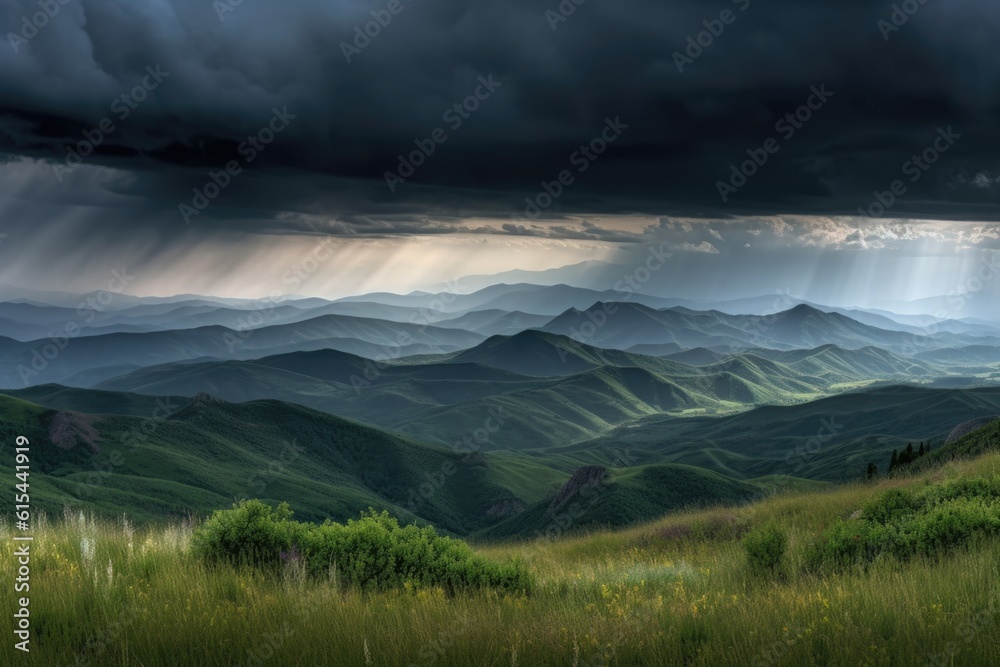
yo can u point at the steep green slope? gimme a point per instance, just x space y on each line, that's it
598 497
537 353
839 365
202 456
558 391
97 402
830 439
559 410
976 443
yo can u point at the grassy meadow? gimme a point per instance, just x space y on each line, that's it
674 592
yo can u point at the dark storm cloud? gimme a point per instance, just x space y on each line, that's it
209 78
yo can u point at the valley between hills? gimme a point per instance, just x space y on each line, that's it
477 419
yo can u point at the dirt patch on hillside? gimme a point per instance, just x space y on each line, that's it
69 429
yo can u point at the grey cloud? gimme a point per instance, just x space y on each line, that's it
608 59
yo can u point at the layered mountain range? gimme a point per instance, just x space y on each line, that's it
475 412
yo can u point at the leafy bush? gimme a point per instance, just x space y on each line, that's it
252 533
949 525
765 549
847 543
933 521
890 505
372 553
976 487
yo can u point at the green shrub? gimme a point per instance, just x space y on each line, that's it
765 549
847 543
987 488
933 521
949 525
252 533
889 506
372 553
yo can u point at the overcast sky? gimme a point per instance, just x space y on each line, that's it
643 127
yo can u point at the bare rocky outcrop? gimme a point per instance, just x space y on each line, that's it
200 400
504 508
584 478
203 398
965 428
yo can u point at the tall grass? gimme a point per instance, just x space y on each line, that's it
674 592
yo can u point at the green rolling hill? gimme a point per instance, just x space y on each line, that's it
831 439
209 452
205 452
598 497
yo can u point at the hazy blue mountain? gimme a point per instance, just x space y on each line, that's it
696 356
557 390
24 363
541 353
31 322
980 305
970 355
521 297
495 322
623 326
656 349
590 274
